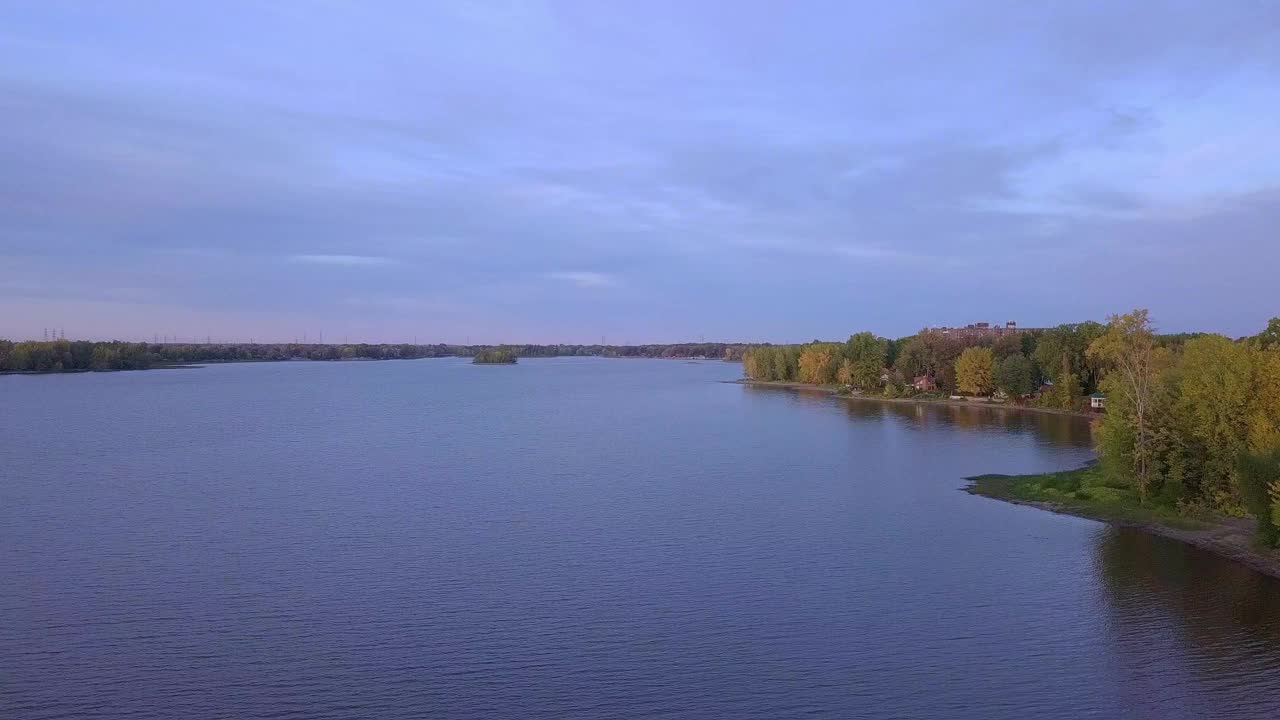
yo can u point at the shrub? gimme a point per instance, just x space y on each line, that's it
1260 490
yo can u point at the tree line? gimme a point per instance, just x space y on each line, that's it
1051 364
80 355
1192 421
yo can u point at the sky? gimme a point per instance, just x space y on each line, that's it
638 171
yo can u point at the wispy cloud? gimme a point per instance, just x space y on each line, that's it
870 252
345 260
399 303
584 279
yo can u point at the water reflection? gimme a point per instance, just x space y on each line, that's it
1067 430
1060 429
1209 623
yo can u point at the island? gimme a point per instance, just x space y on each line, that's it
494 357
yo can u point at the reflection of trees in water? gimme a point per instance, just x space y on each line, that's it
1176 607
1060 429
1193 582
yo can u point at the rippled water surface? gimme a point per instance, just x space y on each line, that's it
578 538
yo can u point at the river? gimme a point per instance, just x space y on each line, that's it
578 537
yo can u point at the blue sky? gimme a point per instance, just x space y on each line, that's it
644 171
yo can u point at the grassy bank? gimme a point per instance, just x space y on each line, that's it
1085 492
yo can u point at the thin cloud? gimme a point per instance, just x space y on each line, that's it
584 279
343 260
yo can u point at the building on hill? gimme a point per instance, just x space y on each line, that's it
981 329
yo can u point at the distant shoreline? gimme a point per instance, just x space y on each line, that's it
835 391
204 363
197 364
162 366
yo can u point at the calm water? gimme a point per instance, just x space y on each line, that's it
578 538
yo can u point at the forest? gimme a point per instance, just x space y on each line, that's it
1191 421
83 355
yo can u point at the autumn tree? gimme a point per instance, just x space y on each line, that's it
844 375
1007 345
974 370
817 364
932 353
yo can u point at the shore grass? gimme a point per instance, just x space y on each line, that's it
1086 492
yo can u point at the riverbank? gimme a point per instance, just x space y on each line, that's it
836 390
1084 492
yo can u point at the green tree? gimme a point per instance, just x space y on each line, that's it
974 371
916 358
1069 344
1129 350
1260 490
1013 375
1269 339
868 354
1264 415
1215 391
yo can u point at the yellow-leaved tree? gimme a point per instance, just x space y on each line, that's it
974 370
817 364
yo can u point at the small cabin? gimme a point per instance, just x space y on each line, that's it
1098 401
924 383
